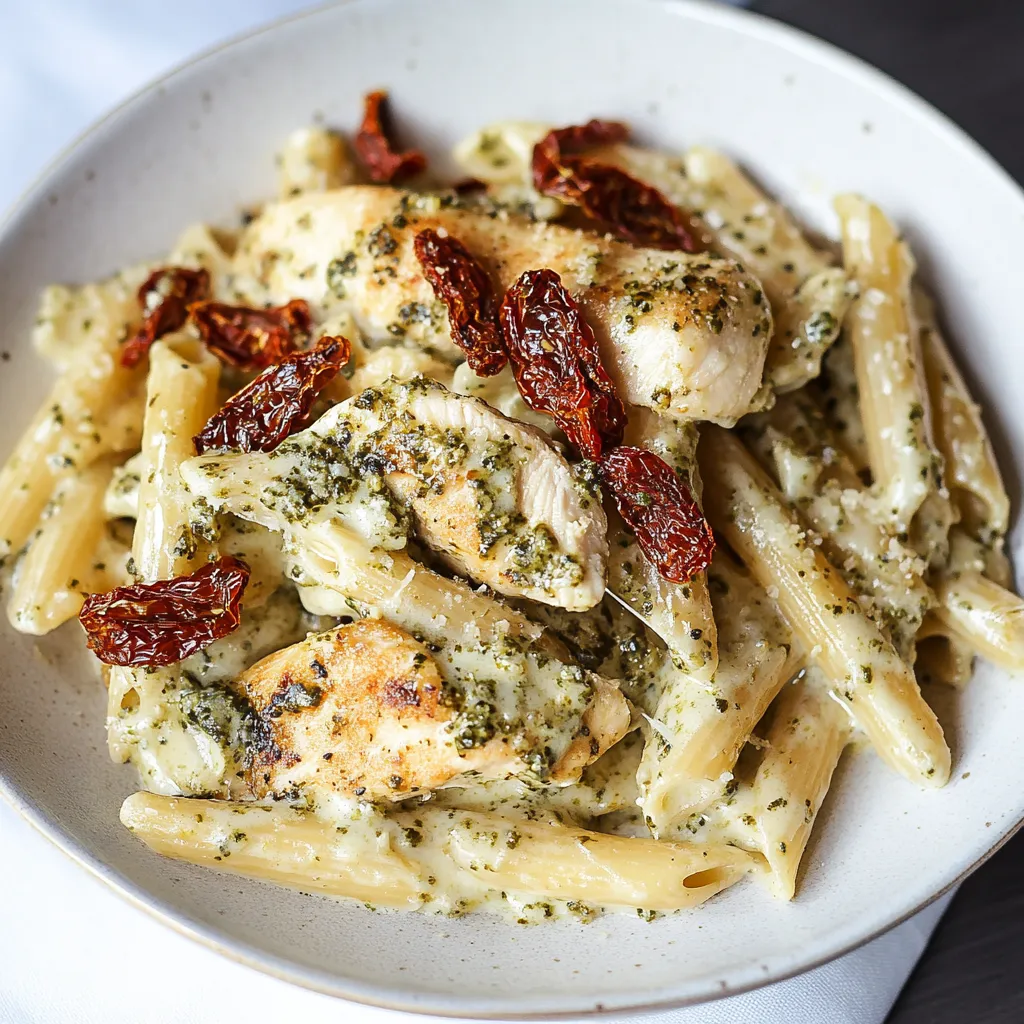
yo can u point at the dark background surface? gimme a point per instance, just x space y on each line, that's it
967 58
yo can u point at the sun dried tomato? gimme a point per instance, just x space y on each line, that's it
164 297
556 363
166 621
464 287
633 210
577 137
251 339
661 510
374 149
260 416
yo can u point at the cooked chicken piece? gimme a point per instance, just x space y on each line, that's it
365 710
183 725
679 613
491 654
491 495
676 331
807 291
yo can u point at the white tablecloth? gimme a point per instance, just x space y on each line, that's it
70 951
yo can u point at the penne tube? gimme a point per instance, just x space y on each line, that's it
971 470
339 574
181 396
699 729
565 863
679 613
547 859
943 656
985 615
61 565
147 725
406 363
313 159
793 443
94 408
807 737
89 318
837 396
277 844
894 401
869 676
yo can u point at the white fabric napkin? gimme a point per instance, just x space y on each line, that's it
70 951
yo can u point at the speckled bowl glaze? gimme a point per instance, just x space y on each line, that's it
810 122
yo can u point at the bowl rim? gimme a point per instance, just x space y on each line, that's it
752 24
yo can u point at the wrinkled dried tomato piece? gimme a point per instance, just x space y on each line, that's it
577 137
260 416
251 339
374 149
464 287
654 501
164 622
164 297
631 209
556 363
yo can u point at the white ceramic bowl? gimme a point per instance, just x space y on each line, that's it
810 122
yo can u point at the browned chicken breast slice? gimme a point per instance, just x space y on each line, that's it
677 332
364 710
491 495
808 292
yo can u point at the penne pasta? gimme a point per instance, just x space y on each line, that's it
793 443
802 748
874 683
95 408
313 160
943 656
62 562
278 843
87 319
894 401
403 364
983 614
549 860
565 863
181 396
679 613
971 471
809 294
699 728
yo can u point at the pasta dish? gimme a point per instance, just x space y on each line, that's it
536 542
